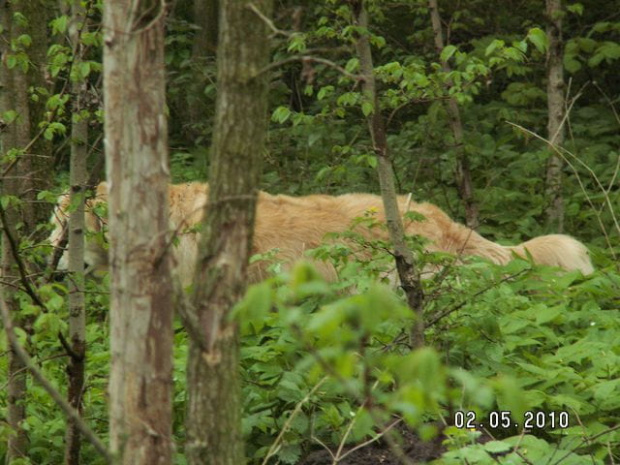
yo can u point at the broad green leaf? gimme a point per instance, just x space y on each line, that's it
281 114
447 53
253 309
367 108
539 38
576 8
494 45
497 447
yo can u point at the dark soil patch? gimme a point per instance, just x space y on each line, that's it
379 453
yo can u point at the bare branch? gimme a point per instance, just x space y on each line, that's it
307 59
564 153
20 264
289 420
268 21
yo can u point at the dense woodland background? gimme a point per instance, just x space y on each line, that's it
328 376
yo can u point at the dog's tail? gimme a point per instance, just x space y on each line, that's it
557 250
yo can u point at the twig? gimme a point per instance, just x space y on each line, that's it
393 445
585 441
440 315
321 443
350 428
268 21
41 361
70 352
370 441
188 315
560 151
20 264
609 101
310 59
287 424
515 449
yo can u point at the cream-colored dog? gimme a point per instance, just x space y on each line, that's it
292 225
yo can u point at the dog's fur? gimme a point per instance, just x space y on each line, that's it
293 225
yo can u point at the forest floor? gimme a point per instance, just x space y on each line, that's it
379 453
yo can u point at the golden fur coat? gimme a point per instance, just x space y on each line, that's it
293 225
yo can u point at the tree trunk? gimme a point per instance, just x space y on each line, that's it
78 180
463 174
205 16
555 107
26 172
409 277
138 176
13 97
214 402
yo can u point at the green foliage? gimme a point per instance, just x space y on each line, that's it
329 363
548 345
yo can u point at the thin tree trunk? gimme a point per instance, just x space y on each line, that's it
78 180
16 135
409 277
138 176
463 174
555 107
214 396
16 388
205 16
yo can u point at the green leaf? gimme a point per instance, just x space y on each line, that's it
324 92
9 116
24 40
59 25
576 8
11 61
367 108
423 368
607 389
281 114
546 314
81 71
21 335
447 53
255 306
471 454
538 37
297 43
608 51
363 426
352 65
290 453
510 397
54 128
47 322
571 64
377 41
497 447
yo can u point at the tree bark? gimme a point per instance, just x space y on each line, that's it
13 97
138 176
78 180
405 264
204 47
463 173
214 402
25 173
206 18
555 106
